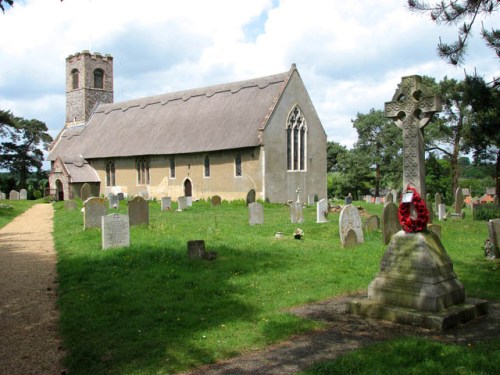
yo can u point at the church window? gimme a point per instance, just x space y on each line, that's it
237 165
143 172
207 166
110 173
98 79
172 168
296 140
74 79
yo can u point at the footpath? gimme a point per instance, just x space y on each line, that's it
29 342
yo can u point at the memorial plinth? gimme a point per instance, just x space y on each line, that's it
416 285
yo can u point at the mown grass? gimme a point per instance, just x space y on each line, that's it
148 309
10 209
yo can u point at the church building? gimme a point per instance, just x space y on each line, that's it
261 134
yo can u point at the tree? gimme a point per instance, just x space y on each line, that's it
454 12
334 151
380 144
10 2
21 151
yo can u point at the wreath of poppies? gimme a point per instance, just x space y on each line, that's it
409 224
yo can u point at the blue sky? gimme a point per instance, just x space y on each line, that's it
351 54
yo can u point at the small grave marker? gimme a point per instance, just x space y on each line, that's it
255 213
322 211
23 194
138 211
14 195
350 221
166 204
115 231
93 209
216 200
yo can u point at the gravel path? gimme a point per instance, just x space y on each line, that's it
29 341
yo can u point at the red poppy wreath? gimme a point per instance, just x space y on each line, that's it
410 224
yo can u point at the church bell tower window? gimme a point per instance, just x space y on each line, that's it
74 79
98 79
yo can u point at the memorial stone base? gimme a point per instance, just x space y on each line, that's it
416 285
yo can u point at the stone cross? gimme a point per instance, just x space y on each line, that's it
298 195
411 108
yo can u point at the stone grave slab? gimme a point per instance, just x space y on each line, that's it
494 235
459 201
390 222
115 229
350 220
255 213
138 211
113 200
181 203
216 200
441 211
93 210
189 201
3 196
296 213
85 192
250 197
14 195
166 203
372 223
23 194
322 211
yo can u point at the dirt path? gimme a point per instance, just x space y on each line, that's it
29 343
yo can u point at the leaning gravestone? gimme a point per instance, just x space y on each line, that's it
296 213
416 283
138 211
255 213
494 235
216 200
390 222
85 192
322 211
250 196
115 231
181 203
93 209
459 201
70 205
166 204
14 195
23 194
350 221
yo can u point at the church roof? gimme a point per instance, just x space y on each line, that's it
220 117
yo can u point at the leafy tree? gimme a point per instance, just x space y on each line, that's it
437 176
454 12
333 152
379 145
10 2
21 152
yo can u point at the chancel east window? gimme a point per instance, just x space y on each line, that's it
110 173
207 166
74 79
296 140
143 172
237 165
98 79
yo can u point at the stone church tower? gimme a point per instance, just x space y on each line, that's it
89 81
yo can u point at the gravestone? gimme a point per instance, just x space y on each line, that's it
416 283
93 210
85 192
394 195
115 229
216 200
113 201
437 202
351 239
390 222
442 211
459 201
311 199
431 213
348 199
14 195
144 194
377 200
120 196
70 205
250 197
196 250
322 211
372 223
494 235
435 228
189 201
296 213
3 196
495 200
138 211
350 220
181 203
368 198
23 194
389 198
166 203
255 213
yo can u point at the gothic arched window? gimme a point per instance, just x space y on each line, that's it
98 79
142 172
172 167
296 140
237 165
110 173
74 79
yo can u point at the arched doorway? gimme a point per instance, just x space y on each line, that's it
188 188
59 190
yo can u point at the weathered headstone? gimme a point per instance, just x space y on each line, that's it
138 211
115 231
350 220
3 196
93 209
390 222
86 192
250 197
189 201
23 194
296 213
350 239
441 211
166 203
348 199
394 193
494 235
114 202
181 203
70 205
368 198
459 201
377 200
121 196
196 250
389 198
322 211
495 200
311 198
14 195
437 202
436 228
255 213
372 223
216 200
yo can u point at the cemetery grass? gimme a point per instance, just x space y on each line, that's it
10 209
148 309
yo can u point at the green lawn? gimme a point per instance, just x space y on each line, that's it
148 309
10 209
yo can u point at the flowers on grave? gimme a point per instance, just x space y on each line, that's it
298 233
415 203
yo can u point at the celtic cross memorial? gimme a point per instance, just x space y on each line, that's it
411 108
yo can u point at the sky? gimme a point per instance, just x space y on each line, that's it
351 55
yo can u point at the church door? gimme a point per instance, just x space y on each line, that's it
59 190
188 188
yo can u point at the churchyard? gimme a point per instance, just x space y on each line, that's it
149 308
